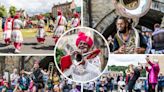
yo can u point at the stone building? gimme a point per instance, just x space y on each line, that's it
8 63
67 8
101 15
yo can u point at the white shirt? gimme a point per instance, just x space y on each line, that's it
74 22
63 20
83 72
91 86
41 23
17 23
121 83
14 78
9 25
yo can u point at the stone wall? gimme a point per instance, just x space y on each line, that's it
8 63
100 8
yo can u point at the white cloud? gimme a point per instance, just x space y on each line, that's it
37 6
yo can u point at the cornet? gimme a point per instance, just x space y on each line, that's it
78 57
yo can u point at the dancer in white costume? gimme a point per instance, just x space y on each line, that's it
61 23
17 37
41 32
75 22
7 31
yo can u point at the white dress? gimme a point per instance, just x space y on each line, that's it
7 33
16 33
74 22
41 31
59 29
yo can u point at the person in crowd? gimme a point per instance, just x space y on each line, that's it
146 85
65 87
134 77
160 82
23 83
74 89
153 71
37 77
14 78
91 86
1 82
121 85
138 86
102 86
110 83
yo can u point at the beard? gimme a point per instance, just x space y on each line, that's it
123 30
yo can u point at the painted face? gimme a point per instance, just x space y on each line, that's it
83 47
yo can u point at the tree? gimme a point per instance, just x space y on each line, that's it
3 11
59 54
12 11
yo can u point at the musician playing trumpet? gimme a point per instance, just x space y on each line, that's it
128 40
83 69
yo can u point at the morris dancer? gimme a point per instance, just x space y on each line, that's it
7 31
16 34
41 32
75 22
61 23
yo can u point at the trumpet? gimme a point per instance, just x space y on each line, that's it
51 69
78 57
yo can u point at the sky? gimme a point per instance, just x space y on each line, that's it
125 60
35 6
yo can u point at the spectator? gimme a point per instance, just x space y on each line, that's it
160 83
121 85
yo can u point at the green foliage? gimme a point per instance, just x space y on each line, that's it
12 11
3 12
59 54
47 15
123 68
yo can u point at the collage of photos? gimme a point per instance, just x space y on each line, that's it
81 45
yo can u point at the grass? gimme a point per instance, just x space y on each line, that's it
29 33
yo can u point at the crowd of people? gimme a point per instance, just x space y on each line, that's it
129 80
12 26
37 80
129 40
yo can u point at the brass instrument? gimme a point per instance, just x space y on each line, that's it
78 57
51 69
133 9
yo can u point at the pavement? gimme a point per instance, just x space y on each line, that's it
30 46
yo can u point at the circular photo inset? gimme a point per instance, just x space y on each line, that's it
81 54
